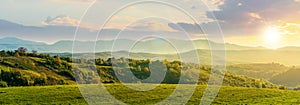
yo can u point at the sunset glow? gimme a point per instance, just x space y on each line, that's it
272 35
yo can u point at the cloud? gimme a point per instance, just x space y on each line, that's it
61 20
250 16
53 33
188 27
153 25
254 15
290 29
246 17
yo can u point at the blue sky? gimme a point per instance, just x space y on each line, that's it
243 22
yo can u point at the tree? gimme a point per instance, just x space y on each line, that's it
17 54
57 59
22 50
34 52
282 88
3 53
1 58
139 68
146 69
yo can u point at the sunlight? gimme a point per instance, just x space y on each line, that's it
272 35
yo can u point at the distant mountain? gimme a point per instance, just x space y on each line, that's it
8 24
16 41
289 58
290 48
47 32
157 46
11 43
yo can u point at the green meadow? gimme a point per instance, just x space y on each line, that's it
30 78
70 94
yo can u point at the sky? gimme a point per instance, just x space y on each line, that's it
267 23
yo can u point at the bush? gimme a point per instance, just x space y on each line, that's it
61 82
3 84
282 88
1 59
297 88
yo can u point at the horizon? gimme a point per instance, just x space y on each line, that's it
150 52
244 45
247 26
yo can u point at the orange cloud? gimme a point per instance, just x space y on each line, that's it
254 15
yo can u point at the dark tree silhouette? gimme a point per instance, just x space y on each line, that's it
22 50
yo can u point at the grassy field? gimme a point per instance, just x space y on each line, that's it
70 94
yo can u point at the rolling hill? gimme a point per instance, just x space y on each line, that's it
28 69
258 70
289 78
288 58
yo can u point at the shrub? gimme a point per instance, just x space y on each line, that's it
3 84
297 88
282 88
61 82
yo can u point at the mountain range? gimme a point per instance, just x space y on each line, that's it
157 46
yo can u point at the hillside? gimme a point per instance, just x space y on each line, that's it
258 70
28 69
289 58
289 78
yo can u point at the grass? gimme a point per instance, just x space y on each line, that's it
70 94
41 95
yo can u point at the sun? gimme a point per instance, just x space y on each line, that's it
272 35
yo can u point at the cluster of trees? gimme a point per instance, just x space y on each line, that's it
107 68
141 69
243 81
258 70
16 77
22 68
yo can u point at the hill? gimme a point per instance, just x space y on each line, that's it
285 57
258 70
29 69
288 58
289 78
